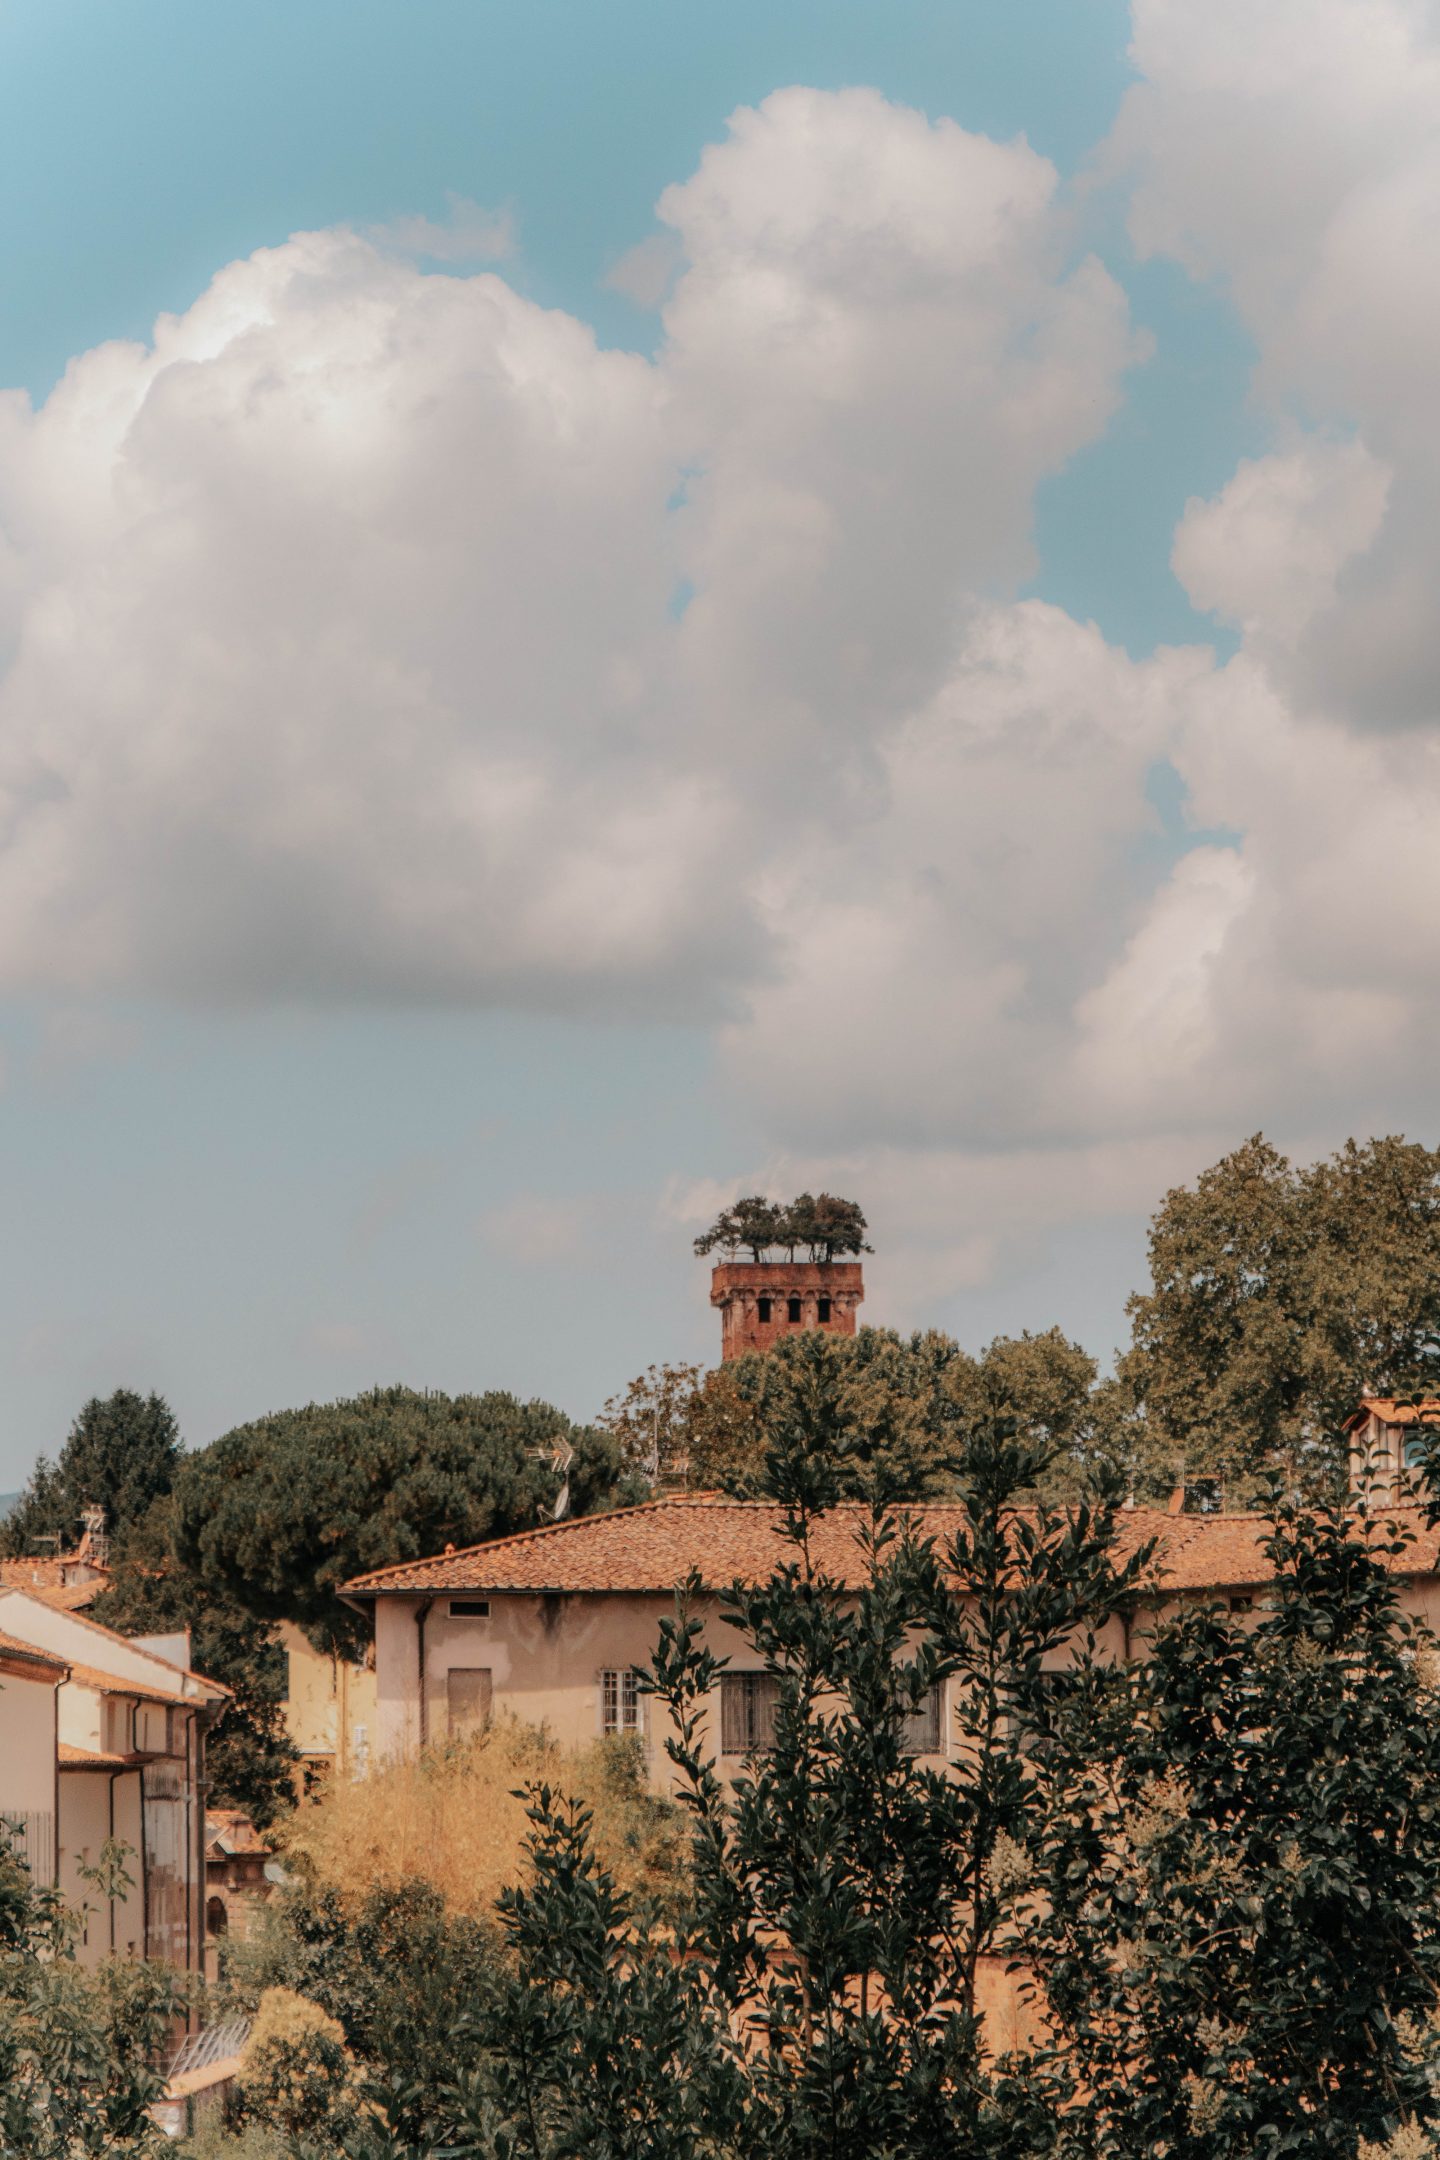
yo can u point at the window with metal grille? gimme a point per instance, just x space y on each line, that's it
620 1700
747 1711
794 1311
921 1729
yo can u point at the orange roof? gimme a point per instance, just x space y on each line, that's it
83 1758
43 1574
1391 1412
105 1683
651 1548
45 1660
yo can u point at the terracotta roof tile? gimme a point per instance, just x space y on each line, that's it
113 1635
653 1547
1391 1412
81 1758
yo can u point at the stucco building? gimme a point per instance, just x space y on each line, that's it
549 1626
126 1745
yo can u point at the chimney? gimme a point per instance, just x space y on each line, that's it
762 1301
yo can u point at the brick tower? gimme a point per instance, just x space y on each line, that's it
762 1300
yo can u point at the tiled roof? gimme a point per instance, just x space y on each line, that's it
104 1683
1391 1412
653 1547
230 1830
136 1649
84 1758
62 1597
43 1575
43 1660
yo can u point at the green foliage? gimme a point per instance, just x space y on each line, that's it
122 1453
249 1757
276 1514
825 1994
296 2074
826 1226
76 2048
889 1412
650 1422
1238 1886
1279 1295
407 1982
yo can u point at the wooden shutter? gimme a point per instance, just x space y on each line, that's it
467 1700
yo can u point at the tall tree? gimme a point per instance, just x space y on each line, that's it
276 1514
249 1757
1278 1296
1237 1881
848 1896
121 1454
891 1408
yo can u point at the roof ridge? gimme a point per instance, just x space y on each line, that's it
98 1627
543 1530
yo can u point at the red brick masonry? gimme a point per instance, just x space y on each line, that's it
743 1288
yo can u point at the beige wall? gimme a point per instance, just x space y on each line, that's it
545 1657
331 1709
27 1746
86 1821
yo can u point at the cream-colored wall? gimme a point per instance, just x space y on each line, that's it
27 1746
85 1824
545 1657
331 1707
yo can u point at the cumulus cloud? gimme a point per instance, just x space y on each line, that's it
374 634
343 653
468 234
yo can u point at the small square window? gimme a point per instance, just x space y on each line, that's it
764 1311
822 1310
620 1700
794 1311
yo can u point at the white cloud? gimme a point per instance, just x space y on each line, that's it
468 234
536 1229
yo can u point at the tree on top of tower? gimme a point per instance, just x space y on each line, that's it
825 1225
754 1224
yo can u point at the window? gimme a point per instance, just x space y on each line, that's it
921 1730
620 1701
822 1310
467 1700
793 1313
764 1311
747 1711
469 1608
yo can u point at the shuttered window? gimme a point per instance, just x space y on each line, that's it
922 1726
747 1711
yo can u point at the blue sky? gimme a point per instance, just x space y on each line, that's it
247 1184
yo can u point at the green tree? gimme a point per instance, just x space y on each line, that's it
249 1757
750 1225
892 1409
826 1226
651 1422
121 1454
76 2048
825 1999
1238 1884
275 1515
1278 1296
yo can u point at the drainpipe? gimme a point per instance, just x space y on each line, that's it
111 1900
55 1753
421 1616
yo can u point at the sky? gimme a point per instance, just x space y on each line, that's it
605 607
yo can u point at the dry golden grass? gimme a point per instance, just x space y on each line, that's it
452 1819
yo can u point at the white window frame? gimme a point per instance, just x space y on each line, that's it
621 1702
